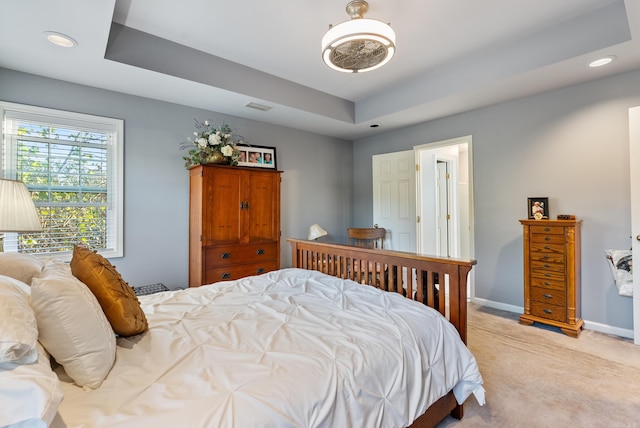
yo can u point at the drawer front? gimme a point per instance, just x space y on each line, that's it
236 272
548 275
550 312
542 266
537 238
547 257
548 296
230 255
548 283
547 230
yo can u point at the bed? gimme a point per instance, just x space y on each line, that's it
307 346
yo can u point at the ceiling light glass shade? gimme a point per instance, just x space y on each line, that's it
315 232
17 210
360 44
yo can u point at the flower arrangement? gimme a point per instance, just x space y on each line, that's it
212 145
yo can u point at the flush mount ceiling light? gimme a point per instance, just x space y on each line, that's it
60 39
360 44
602 61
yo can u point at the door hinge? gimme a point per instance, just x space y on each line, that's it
418 219
417 167
447 176
448 217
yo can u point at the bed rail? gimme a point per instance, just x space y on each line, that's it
422 278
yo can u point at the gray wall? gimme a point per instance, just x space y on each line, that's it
316 184
571 145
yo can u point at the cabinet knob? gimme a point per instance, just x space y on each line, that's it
638 238
546 229
225 255
226 275
260 252
548 311
546 238
547 295
259 271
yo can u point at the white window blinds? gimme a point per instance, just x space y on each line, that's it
72 164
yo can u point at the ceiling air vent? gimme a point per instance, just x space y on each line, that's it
257 106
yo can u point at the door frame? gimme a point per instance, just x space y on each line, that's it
459 151
634 176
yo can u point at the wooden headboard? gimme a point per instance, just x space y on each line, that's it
389 271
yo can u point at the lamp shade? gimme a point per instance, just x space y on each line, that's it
17 210
315 232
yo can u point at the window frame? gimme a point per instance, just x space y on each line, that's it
115 164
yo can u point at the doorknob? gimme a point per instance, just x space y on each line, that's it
638 238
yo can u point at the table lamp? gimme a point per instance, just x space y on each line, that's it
17 210
315 232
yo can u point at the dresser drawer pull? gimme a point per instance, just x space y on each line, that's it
226 275
259 271
548 311
547 265
546 257
546 229
225 255
547 275
546 247
547 296
546 238
260 252
547 283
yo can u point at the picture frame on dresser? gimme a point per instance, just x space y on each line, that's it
538 208
257 156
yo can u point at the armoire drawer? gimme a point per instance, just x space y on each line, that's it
236 272
229 255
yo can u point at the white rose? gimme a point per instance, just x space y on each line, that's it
212 139
218 137
202 142
206 122
195 133
227 150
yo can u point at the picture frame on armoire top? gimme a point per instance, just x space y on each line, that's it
538 208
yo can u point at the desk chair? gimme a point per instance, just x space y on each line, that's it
367 237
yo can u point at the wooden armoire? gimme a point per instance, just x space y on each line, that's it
234 222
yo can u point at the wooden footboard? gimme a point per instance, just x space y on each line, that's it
438 282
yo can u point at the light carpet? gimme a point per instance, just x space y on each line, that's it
535 376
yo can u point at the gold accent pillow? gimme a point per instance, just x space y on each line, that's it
118 300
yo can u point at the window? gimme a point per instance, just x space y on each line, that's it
72 164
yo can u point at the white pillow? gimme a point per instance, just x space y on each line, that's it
30 393
72 326
18 328
23 267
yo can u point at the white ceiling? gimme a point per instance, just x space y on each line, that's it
452 55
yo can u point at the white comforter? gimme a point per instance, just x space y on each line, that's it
291 348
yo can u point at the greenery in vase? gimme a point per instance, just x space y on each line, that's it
210 140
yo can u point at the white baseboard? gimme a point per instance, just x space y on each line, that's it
589 325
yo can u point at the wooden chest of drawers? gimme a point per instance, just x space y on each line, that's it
552 274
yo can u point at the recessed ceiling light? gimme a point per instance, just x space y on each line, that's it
602 61
60 39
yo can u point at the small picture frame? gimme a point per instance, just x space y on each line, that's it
538 208
257 156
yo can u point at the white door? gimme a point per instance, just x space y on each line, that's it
394 199
634 158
